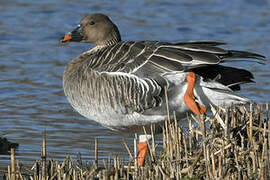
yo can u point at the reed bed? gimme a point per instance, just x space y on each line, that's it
231 143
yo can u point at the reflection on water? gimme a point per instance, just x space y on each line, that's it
32 61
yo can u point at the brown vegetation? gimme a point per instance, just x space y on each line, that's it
232 143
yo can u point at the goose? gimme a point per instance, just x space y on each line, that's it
122 84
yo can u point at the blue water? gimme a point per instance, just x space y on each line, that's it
32 61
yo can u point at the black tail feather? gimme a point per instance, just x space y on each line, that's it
228 76
232 54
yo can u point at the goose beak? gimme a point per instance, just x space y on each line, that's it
75 36
66 38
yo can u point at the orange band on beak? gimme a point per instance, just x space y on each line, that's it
67 38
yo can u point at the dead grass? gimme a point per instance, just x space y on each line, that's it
232 143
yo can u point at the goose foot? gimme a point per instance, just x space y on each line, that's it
142 148
189 98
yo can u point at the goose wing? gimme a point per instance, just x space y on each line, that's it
128 93
158 57
189 55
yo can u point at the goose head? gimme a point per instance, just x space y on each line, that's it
94 28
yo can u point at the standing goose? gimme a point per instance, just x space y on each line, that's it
121 84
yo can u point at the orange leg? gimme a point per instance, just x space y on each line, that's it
189 98
142 148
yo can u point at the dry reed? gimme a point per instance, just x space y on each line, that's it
231 143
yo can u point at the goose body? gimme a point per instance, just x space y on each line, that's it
121 84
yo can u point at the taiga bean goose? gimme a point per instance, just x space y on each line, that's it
121 84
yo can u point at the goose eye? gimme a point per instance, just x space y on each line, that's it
91 23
